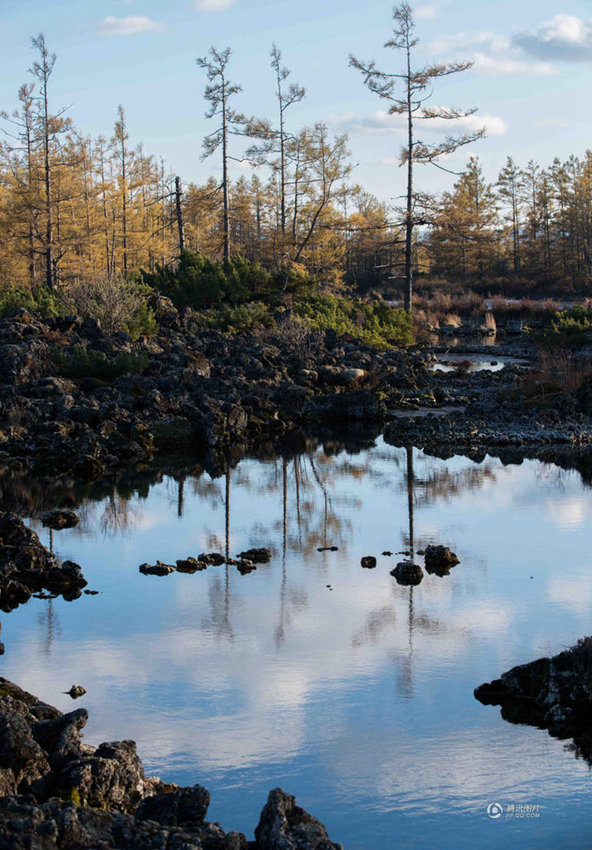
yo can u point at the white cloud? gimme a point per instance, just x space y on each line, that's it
564 38
132 25
382 122
214 5
492 54
500 66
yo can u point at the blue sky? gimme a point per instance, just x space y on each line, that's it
531 77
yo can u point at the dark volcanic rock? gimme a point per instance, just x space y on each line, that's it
157 569
26 566
60 518
245 567
110 778
285 826
214 559
57 794
257 556
191 565
368 562
551 693
439 560
407 573
179 808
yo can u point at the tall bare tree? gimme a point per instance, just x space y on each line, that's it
415 86
42 70
218 93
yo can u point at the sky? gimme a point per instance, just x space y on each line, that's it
530 80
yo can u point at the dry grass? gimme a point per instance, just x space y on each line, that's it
556 372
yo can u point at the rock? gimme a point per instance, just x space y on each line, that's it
439 560
68 577
112 777
387 554
157 569
76 691
60 737
79 796
26 566
183 807
214 559
285 826
257 556
191 565
60 518
244 567
369 562
552 693
407 573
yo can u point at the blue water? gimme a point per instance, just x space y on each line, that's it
358 697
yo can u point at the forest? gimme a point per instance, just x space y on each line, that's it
75 208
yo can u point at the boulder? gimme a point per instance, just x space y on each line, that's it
60 518
439 560
407 573
182 807
157 569
257 556
285 826
112 777
369 562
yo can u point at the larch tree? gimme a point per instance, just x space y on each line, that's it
510 187
218 93
120 138
49 126
273 145
406 92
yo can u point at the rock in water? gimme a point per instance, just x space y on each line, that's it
285 826
26 566
257 556
368 562
157 569
213 559
58 794
58 519
439 560
407 573
76 691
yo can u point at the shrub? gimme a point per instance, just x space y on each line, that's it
201 283
39 301
117 303
87 363
373 322
240 318
572 327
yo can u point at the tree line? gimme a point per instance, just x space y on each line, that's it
74 207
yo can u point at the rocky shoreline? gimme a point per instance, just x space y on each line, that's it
56 792
550 693
75 400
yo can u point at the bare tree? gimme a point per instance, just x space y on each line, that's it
42 70
416 85
119 140
218 93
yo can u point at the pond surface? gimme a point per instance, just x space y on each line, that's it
349 691
475 362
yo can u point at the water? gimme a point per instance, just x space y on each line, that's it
357 697
477 362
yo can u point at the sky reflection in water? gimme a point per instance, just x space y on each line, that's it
357 698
